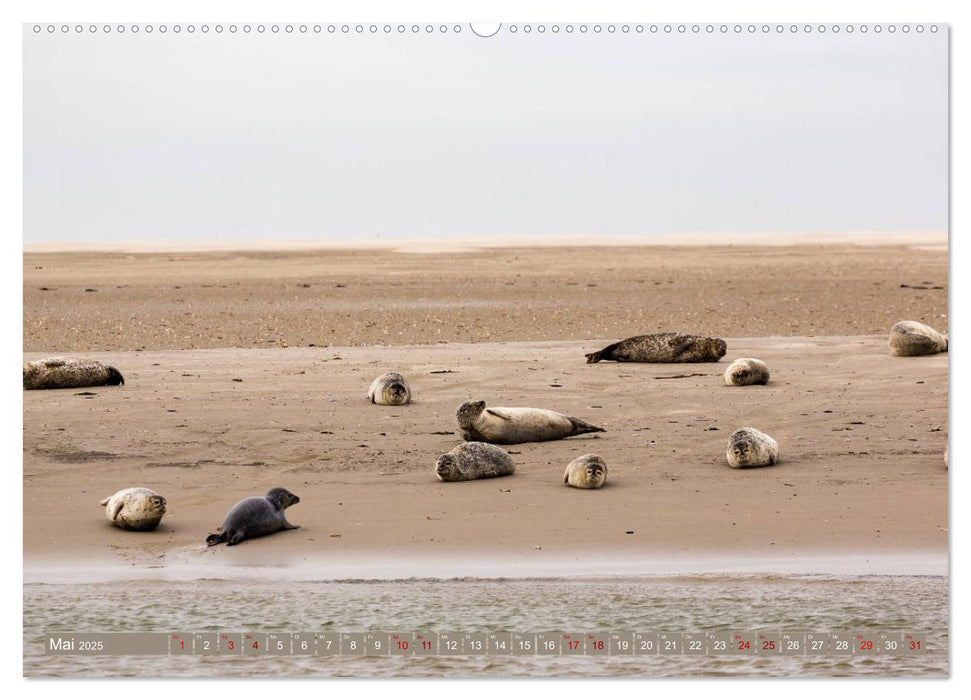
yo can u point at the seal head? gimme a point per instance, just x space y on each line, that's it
586 472
748 447
390 389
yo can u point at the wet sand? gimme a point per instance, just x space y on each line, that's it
204 423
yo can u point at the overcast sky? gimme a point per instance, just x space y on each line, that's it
235 136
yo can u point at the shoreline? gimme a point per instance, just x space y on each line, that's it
486 565
925 240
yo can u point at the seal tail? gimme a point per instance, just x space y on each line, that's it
580 427
216 538
604 354
114 377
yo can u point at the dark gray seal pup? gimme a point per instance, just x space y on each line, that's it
255 517
911 338
474 460
63 373
745 371
390 389
135 508
586 472
663 347
510 426
748 447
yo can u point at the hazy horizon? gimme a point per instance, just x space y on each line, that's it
233 137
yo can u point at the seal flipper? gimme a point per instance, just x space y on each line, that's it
237 537
116 510
216 538
581 426
683 346
498 414
605 354
104 502
288 526
114 377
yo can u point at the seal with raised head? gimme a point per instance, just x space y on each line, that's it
663 347
748 447
474 460
390 389
135 508
510 426
586 472
747 370
255 517
64 373
910 338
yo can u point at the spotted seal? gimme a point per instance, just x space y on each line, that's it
663 347
747 370
586 472
135 508
474 460
390 389
510 426
748 447
910 338
255 517
64 373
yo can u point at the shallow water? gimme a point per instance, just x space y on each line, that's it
699 604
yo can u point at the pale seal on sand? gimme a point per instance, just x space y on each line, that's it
474 460
747 370
255 517
510 426
663 347
135 508
909 338
390 389
63 373
586 472
748 447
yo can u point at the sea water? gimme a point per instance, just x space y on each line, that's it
698 604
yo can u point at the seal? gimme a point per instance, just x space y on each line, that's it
663 347
255 517
747 370
510 426
390 389
63 373
474 460
748 447
586 472
135 508
910 338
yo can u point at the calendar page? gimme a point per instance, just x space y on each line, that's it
449 349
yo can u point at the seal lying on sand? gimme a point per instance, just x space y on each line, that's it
136 508
586 472
390 389
748 447
474 460
663 347
255 517
62 373
747 370
509 426
909 338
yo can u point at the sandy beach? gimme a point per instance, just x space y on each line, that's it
248 370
